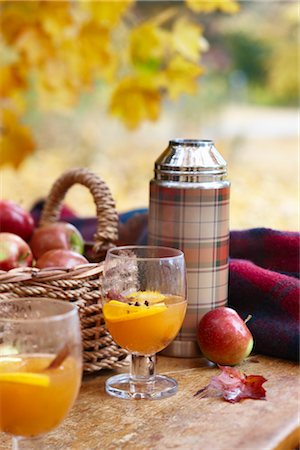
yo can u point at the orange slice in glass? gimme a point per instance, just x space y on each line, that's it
115 311
33 379
151 296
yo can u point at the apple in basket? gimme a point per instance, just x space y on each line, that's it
61 235
14 219
60 258
14 252
223 337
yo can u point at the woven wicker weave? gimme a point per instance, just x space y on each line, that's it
82 284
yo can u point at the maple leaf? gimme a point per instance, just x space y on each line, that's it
135 100
15 17
108 13
187 39
60 49
180 76
15 139
11 80
149 44
33 45
96 55
56 19
234 386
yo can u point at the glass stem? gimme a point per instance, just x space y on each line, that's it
142 368
22 443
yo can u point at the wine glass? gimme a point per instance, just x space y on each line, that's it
144 304
40 367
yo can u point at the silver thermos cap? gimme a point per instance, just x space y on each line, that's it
191 161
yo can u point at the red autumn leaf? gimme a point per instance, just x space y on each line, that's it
234 386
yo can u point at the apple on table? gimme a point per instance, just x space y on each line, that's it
223 337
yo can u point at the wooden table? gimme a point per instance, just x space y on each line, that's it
100 422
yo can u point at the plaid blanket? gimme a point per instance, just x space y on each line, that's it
263 282
263 278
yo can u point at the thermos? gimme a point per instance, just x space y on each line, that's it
189 210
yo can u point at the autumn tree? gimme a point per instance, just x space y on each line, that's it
58 50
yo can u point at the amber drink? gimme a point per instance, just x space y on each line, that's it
144 305
40 367
34 400
148 326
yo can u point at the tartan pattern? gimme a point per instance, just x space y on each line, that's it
263 282
272 299
196 221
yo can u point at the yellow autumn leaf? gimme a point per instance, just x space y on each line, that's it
65 47
56 19
107 13
76 64
15 17
135 100
187 39
95 49
77 72
11 79
180 76
16 142
34 45
148 45
208 6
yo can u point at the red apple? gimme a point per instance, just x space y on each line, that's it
60 258
14 252
223 337
14 219
56 235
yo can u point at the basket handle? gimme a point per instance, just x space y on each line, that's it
107 217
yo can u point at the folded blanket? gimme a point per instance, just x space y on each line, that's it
272 299
263 271
274 250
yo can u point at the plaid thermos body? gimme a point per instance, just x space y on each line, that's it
194 217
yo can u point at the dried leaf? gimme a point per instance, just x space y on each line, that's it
234 386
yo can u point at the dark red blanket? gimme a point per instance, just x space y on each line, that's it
263 280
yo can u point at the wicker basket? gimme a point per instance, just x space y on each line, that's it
82 284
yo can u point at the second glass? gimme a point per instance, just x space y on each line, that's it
143 306
40 367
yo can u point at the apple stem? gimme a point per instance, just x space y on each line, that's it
249 317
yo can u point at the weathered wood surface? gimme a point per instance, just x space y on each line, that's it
100 422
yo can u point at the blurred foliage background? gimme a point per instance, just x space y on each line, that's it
105 85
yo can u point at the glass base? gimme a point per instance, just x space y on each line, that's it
27 443
159 386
